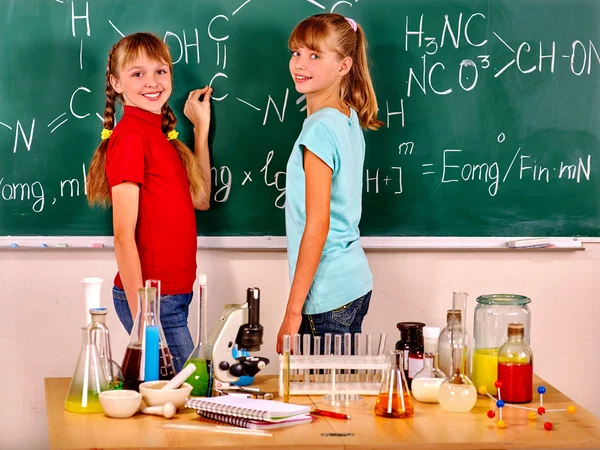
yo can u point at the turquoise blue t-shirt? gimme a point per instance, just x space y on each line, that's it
343 274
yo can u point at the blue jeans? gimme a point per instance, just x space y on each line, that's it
174 311
345 319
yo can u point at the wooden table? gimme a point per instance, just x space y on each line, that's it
431 428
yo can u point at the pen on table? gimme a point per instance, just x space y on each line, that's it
331 414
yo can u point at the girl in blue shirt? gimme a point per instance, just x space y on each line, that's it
331 280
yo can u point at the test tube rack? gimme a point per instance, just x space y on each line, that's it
334 374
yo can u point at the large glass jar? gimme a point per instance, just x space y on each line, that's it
492 315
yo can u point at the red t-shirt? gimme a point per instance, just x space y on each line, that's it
165 233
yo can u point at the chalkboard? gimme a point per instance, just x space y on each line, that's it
491 111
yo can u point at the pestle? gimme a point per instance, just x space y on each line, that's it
167 410
180 377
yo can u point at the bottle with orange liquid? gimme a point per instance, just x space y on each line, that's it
394 398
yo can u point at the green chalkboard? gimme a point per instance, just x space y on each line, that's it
491 111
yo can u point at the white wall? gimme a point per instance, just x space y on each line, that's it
43 308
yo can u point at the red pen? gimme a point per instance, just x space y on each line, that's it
331 414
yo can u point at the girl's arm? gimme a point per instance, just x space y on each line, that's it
125 200
318 197
199 114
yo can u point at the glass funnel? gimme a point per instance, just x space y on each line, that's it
147 349
394 399
457 392
200 379
88 380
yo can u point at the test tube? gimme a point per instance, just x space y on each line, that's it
358 352
286 368
381 349
369 351
347 354
327 352
317 352
306 350
337 351
297 351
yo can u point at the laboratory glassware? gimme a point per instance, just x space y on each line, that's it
457 391
492 315
426 383
515 366
134 361
394 399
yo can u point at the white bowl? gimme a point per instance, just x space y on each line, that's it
120 404
153 395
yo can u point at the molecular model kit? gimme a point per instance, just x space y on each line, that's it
534 412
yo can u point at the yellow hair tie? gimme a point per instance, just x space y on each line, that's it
106 134
172 135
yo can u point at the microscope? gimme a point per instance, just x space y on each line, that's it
237 325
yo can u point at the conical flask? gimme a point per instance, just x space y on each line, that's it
147 346
200 379
88 380
394 398
457 392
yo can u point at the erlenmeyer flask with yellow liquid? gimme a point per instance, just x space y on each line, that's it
88 380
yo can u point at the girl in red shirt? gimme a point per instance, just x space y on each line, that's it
153 182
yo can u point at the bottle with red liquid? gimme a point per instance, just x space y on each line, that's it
515 366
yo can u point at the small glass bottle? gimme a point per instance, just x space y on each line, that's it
200 379
134 360
411 338
453 319
426 383
515 366
394 398
457 392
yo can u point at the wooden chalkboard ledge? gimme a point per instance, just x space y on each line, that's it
277 243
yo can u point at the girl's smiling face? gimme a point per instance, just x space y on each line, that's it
314 71
144 83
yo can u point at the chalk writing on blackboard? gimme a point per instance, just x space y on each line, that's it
429 76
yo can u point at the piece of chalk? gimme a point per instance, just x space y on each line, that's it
44 245
62 245
97 245
13 245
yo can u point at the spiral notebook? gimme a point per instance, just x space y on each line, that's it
248 408
255 424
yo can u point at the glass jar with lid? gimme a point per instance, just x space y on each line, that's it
492 315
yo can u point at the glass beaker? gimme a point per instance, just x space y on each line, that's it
492 315
135 359
457 391
88 380
426 383
394 399
100 337
200 379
